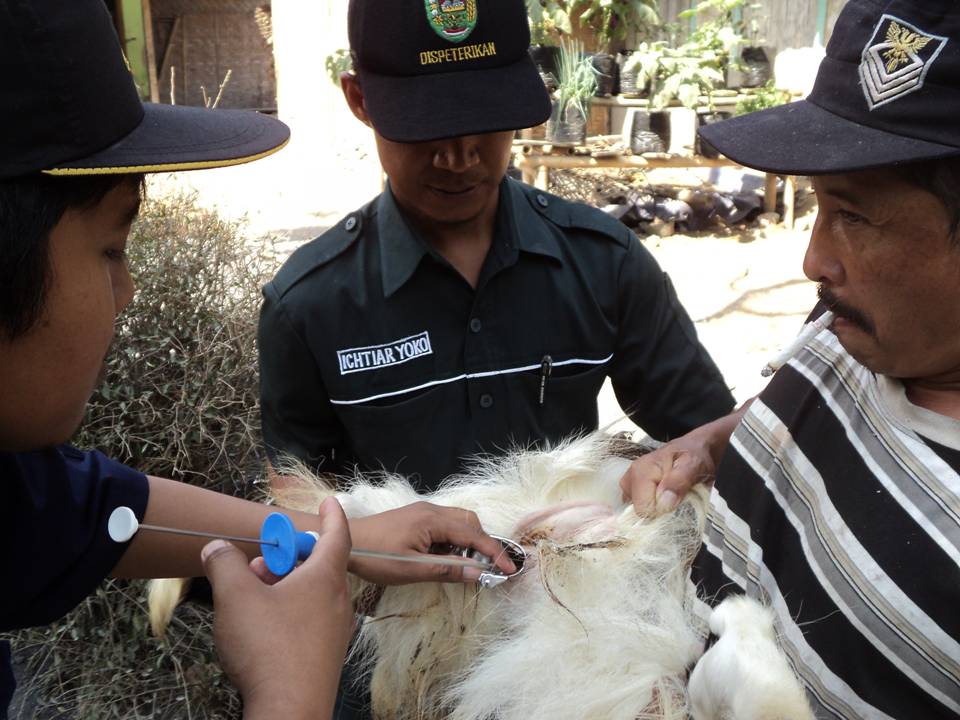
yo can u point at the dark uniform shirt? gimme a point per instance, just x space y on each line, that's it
54 506
375 352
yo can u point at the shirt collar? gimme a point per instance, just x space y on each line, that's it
401 250
518 227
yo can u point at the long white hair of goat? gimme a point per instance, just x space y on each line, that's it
599 626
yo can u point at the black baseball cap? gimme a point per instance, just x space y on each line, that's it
433 69
887 93
71 106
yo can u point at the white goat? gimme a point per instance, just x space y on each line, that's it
599 626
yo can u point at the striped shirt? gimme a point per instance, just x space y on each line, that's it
838 504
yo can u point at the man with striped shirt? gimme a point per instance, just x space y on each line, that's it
837 497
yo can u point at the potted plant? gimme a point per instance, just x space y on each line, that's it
754 61
639 68
612 22
685 74
547 20
739 38
576 87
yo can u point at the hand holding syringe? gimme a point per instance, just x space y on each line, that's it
282 546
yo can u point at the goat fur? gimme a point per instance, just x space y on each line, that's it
746 656
600 625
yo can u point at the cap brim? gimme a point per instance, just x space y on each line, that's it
804 139
172 138
468 102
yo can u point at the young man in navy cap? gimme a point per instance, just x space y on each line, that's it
837 500
75 145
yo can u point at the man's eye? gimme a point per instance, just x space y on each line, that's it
851 218
116 255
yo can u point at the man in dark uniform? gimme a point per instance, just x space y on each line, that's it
461 312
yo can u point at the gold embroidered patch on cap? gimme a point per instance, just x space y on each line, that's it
896 60
452 20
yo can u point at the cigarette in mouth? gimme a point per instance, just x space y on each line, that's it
810 330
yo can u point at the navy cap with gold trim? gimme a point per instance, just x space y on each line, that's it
71 106
433 69
887 93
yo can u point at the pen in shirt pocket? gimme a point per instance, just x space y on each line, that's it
546 366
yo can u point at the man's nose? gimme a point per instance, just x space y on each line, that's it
821 262
457 154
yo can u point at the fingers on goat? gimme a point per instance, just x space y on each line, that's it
640 482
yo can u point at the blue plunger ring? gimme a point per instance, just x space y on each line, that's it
281 552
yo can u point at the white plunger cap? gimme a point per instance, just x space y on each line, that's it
122 525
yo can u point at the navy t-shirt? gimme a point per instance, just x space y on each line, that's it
54 506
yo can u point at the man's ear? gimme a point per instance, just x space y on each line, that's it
353 92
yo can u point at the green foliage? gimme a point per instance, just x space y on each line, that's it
548 20
613 20
683 74
724 8
577 78
725 24
180 400
698 66
339 61
610 20
766 97
645 62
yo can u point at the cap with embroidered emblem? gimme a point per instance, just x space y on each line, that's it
887 93
72 107
433 69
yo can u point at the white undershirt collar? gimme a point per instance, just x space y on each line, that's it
939 428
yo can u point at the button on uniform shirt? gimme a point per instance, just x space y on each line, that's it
376 353
54 507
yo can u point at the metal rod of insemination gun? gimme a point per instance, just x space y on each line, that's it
197 533
424 559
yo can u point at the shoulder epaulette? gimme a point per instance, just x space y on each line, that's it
321 250
568 214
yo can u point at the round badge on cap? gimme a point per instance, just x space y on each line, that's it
435 69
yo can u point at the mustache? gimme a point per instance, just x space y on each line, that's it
843 310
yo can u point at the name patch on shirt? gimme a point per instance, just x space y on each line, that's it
374 357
